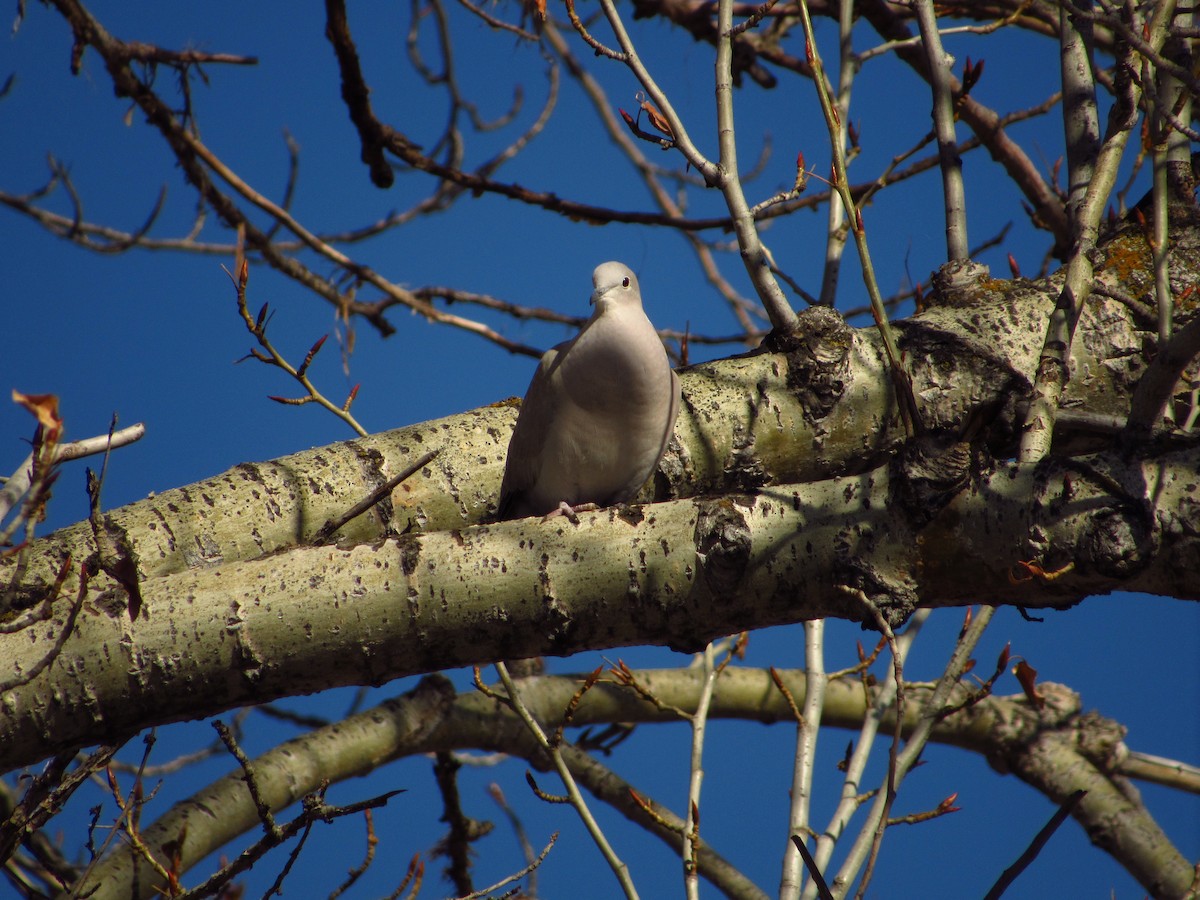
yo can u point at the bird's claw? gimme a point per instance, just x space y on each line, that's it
570 512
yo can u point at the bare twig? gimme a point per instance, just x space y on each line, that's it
257 326
456 845
264 810
1148 408
901 382
723 175
1080 117
893 777
691 834
917 739
649 174
326 531
987 124
837 226
518 828
953 192
1052 371
1004 882
18 483
1157 770
807 730
576 798
528 870
818 880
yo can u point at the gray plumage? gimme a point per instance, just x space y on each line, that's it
599 411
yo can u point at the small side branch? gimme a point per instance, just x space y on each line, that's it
1148 409
906 400
1052 372
953 192
1043 837
327 530
575 797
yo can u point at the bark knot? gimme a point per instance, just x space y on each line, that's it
818 358
722 540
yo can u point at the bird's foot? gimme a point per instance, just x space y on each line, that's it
571 512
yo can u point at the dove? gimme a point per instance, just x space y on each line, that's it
598 413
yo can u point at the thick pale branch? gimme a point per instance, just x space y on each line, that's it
431 718
678 573
815 407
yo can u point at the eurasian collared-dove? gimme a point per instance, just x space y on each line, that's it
599 411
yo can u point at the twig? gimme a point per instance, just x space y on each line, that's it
456 846
808 727
901 382
691 834
47 793
18 483
725 174
818 879
953 193
326 531
988 127
1156 769
1080 117
917 737
889 796
518 828
1052 372
610 788
576 798
528 870
649 174
837 226
755 17
314 809
1004 882
257 326
581 29
1148 408
754 255
264 810
915 40
499 24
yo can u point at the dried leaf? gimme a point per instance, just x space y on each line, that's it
44 407
1027 676
657 119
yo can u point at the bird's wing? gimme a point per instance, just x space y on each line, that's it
529 436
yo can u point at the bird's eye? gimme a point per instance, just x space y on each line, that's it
624 282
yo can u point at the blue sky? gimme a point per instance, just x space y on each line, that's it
154 337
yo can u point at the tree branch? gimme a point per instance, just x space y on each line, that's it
432 718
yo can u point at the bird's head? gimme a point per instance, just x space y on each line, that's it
614 284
